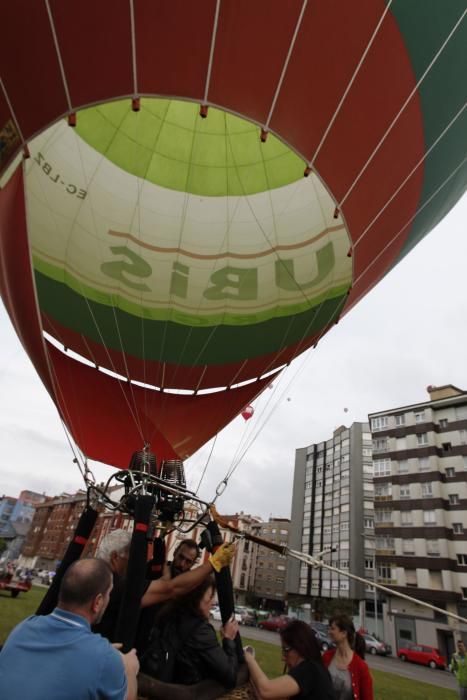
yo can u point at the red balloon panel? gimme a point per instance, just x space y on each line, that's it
95 42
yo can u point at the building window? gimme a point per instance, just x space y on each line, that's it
404 491
382 467
368 523
400 420
429 517
369 564
383 516
382 490
464 593
427 489
463 436
450 472
423 464
432 548
447 447
458 528
422 439
420 417
379 423
408 546
443 422
462 559
384 542
453 499
380 445
385 572
403 466
406 518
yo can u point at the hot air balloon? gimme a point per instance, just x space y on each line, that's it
248 412
192 194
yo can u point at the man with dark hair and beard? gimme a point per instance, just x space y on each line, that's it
184 557
58 657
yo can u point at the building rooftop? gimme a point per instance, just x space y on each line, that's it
447 393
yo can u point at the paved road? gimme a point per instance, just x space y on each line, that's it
414 672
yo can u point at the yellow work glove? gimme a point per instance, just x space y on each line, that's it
222 556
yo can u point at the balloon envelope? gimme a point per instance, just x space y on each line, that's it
182 261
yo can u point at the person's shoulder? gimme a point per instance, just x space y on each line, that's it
305 667
358 664
21 630
358 661
328 656
198 632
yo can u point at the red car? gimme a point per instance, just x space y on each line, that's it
422 654
274 624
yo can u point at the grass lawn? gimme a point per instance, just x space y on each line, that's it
387 685
13 610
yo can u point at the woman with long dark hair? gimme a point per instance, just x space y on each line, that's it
350 674
306 677
184 648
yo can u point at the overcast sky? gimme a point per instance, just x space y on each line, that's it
409 332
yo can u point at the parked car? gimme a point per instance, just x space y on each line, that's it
274 623
215 614
248 615
321 633
422 654
374 646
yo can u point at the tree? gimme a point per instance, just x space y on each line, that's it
3 545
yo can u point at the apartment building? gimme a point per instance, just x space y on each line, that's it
332 509
268 568
53 525
420 481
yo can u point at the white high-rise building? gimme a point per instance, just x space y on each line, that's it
420 477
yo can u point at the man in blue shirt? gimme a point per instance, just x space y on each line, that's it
57 656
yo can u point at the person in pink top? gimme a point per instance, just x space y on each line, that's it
349 673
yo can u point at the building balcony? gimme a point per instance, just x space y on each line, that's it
385 551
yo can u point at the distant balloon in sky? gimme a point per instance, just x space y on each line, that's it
248 412
346 410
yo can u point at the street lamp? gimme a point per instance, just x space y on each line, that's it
375 590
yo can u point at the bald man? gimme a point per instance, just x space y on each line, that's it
58 657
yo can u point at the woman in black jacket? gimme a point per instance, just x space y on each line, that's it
306 678
187 642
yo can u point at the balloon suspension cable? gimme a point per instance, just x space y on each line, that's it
316 561
239 457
